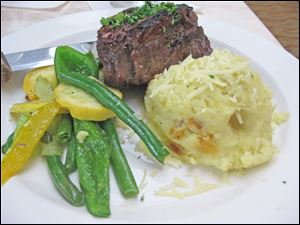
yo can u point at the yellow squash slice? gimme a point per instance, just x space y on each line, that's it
29 82
81 104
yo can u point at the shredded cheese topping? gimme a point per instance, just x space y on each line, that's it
154 173
143 182
172 191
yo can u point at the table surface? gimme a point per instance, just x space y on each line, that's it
233 12
283 22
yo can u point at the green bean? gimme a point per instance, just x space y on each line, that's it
51 146
70 163
8 143
79 62
65 129
119 162
53 149
63 183
64 69
92 157
94 64
99 64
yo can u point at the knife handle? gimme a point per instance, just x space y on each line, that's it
5 70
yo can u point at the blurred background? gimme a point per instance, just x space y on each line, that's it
277 21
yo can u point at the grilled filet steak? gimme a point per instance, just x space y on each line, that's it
133 53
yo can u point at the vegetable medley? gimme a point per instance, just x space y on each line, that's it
70 108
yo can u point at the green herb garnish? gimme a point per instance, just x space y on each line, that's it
142 12
211 76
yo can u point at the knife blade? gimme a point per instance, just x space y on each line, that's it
42 57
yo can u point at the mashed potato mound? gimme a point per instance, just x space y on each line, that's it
213 110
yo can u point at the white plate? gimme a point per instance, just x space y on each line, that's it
258 196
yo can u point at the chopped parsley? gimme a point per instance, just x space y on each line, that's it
211 76
149 9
